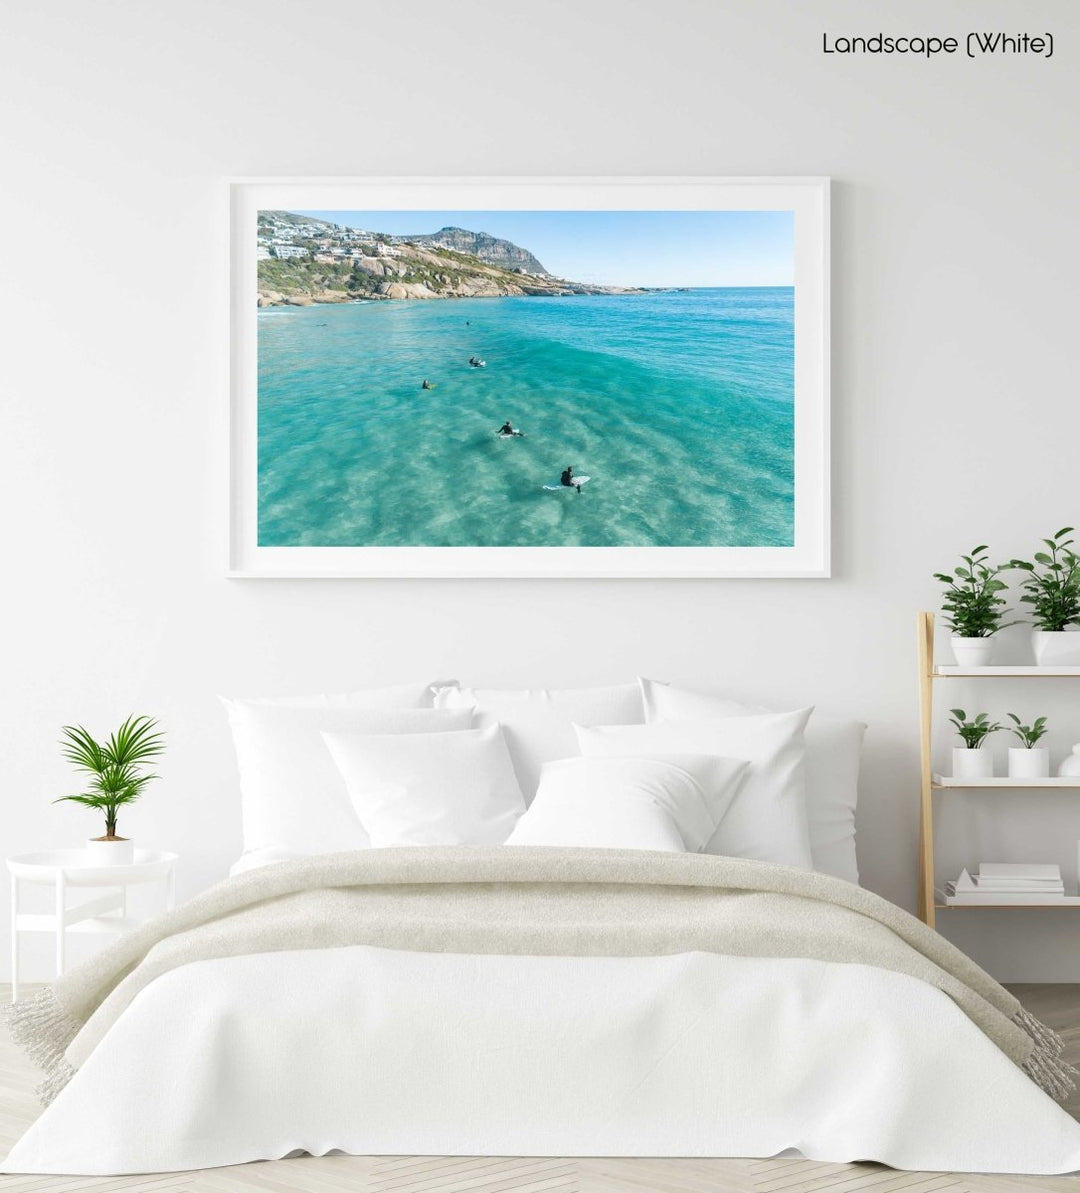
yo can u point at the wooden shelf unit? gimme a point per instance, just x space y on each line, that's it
929 672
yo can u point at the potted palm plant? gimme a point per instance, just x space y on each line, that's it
1029 760
1052 589
973 607
117 778
969 760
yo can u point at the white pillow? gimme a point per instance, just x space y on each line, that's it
767 818
672 803
833 750
406 695
255 859
430 788
539 722
292 796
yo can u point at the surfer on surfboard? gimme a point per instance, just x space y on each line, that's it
568 481
508 431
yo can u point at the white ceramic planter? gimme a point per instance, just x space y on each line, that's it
972 764
972 652
1029 764
1056 648
120 852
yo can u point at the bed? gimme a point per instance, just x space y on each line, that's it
607 966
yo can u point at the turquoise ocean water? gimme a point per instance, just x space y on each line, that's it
678 404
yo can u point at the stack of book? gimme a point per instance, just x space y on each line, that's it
1007 882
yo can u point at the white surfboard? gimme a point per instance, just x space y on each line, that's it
514 434
577 483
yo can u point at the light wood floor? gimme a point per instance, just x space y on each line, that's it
1058 1006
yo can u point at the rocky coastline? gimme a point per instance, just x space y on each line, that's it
398 291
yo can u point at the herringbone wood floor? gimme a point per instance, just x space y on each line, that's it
1057 1005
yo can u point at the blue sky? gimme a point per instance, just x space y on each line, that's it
622 248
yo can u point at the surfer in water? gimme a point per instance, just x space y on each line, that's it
507 429
427 384
568 480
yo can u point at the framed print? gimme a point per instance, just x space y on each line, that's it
529 377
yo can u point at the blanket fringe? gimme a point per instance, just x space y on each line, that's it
48 1089
43 1030
1046 1065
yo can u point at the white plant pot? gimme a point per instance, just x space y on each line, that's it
972 764
1056 648
120 852
1029 764
972 652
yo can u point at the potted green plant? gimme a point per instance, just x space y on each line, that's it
973 606
1029 760
970 761
1052 589
117 778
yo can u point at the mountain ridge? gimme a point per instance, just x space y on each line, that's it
491 249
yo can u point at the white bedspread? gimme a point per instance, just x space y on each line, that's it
375 1051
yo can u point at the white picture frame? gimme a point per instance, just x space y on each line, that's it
806 197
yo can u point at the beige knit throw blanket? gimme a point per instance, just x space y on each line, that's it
526 901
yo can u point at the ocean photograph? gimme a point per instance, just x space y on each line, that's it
525 379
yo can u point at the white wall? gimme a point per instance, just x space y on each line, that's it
956 416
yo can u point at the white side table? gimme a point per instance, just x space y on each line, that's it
63 869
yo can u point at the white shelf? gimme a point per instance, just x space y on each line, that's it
26 922
942 671
1065 901
1002 781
